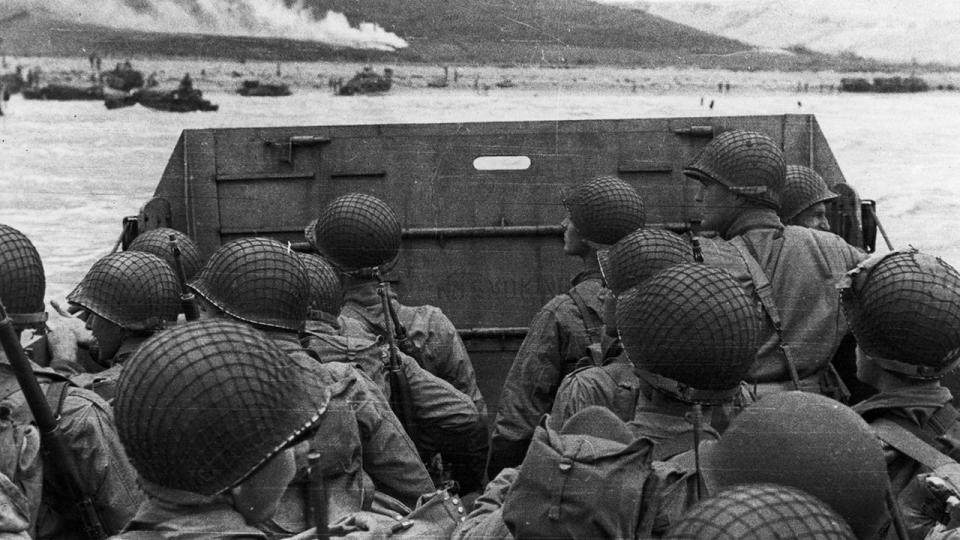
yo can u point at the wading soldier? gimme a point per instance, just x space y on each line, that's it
85 420
365 457
792 269
209 412
904 310
599 213
804 197
444 416
127 297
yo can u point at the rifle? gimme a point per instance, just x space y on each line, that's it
55 450
404 343
400 396
188 302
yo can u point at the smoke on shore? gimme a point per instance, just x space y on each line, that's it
259 18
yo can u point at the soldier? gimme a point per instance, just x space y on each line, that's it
128 296
760 512
157 242
365 456
612 384
210 412
691 333
795 439
904 310
360 234
790 268
600 212
444 416
802 202
86 420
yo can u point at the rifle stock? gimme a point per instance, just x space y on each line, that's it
54 448
188 302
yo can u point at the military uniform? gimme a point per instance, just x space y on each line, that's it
86 422
556 341
612 385
802 266
104 382
181 515
445 418
485 520
442 351
364 449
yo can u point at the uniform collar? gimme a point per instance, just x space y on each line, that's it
751 219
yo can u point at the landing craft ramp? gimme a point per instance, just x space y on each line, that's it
479 202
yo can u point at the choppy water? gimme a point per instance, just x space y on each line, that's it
69 171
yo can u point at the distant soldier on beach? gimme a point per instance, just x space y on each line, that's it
600 212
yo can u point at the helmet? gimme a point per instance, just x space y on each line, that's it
605 209
691 331
22 281
803 188
132 289
640 255
357 231
809 442
256 280
759 512
157 241
747 163
201 406
904 310
326 292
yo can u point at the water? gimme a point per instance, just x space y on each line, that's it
69 171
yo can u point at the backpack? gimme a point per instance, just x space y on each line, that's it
576 485
21 471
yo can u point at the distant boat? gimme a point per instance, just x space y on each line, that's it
177 100
884 84
505 83
63 92
253 87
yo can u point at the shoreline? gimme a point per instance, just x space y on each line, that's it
220 75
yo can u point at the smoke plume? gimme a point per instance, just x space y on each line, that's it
259 18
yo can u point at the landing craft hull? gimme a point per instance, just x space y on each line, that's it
479 202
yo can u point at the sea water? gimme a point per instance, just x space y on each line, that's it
70 171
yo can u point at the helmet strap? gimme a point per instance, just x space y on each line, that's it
684 392
912 371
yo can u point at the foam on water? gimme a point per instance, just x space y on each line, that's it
69 171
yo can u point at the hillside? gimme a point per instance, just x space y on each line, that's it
890 30
509 32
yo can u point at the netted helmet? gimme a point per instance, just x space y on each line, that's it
803 188
157 241
201 406
22 281
357 231
257 280
692 325
132 289
326 291
809 442
904 309
747 163
605 209
760 512
640 255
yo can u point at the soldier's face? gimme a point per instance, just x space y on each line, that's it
108 336
573 243
814 217
720 206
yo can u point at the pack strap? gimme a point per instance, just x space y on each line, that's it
591 321
764 292
909 443
56 394
944 419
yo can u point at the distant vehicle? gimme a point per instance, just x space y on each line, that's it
253 87
367 82
505 83
123 78
63 92
884 84
171 100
